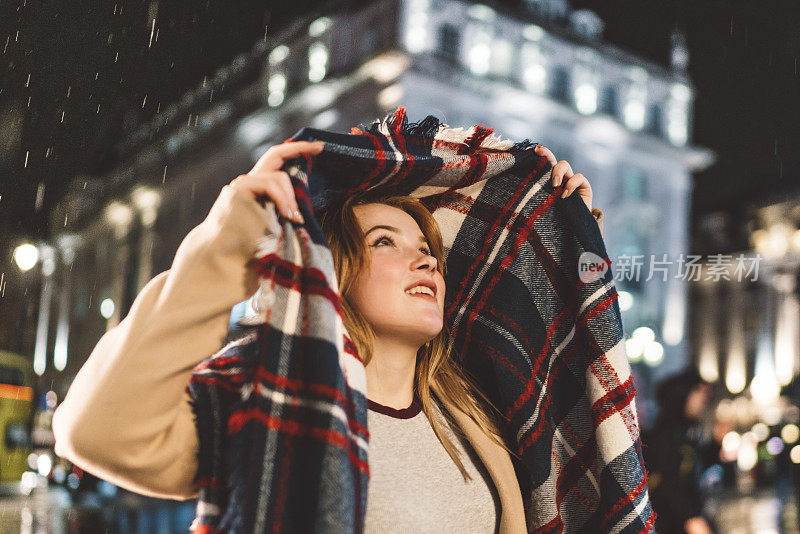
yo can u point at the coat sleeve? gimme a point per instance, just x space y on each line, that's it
126 417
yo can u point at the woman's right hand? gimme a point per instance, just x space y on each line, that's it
266 178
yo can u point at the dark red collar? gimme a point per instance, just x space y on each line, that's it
403 413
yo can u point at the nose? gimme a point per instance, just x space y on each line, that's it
425 262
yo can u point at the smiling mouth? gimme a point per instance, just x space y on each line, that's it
422 289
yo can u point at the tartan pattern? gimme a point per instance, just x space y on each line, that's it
281 409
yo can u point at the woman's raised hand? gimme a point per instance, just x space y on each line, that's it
266 178
562 172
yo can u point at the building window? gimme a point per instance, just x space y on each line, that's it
449 41
559 85
654 120
634 184
609 101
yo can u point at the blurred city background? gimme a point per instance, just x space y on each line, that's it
121 123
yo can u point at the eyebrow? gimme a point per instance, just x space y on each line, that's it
392 229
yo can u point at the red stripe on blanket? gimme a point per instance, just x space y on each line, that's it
239 418
473 142
329 394
614 401
625 501
380 166
313 279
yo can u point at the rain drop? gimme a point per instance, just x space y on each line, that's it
28 81
69 90
144 101
8 38
62 116
116 57
39 197
152 30
164 177
27 153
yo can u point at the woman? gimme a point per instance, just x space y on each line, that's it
127 417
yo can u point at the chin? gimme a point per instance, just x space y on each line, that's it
433 331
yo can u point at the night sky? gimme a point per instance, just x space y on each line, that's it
107 69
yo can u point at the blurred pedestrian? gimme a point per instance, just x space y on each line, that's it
674 455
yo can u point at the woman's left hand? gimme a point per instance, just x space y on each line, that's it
562 172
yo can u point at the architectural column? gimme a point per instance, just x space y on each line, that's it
787 329
119 216
48 259
708 357
147 202
67 247
736 361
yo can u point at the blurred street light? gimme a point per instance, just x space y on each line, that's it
26 256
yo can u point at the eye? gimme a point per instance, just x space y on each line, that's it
426 250
382 239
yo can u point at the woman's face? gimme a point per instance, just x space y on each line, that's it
387 292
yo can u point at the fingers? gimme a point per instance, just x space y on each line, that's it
544 151
573 182
560 168
274 158
277 186
561 172
267 178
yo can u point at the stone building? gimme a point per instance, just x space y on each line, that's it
539 71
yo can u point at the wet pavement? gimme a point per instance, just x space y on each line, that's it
54 511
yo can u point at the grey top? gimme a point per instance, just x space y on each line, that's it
415 486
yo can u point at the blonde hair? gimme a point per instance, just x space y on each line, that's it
436 371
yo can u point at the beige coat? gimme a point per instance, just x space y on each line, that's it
127 418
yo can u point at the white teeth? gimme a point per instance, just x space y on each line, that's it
420 289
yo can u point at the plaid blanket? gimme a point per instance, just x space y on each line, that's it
281 408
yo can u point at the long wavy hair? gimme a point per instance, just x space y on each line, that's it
436 373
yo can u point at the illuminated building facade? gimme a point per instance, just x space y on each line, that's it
540 71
